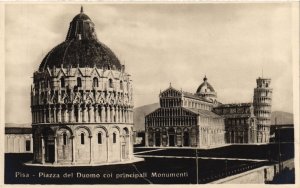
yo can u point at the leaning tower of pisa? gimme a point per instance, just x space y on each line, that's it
262 102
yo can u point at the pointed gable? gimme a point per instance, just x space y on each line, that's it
78 72
95 73
109 74
171 92
61 73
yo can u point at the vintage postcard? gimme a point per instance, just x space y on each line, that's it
151 93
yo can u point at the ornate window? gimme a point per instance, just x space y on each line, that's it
95 82
99 138
121 85
65 139
110 83
79 83
62 82
82 138
114 138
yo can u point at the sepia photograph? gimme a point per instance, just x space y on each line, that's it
150 93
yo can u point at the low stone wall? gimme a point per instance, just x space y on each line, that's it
257 176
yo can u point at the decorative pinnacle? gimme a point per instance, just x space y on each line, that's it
204 79
81 9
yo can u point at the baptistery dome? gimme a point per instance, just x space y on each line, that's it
82 102
81 48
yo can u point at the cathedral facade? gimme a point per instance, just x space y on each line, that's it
185 119
81 102
199 120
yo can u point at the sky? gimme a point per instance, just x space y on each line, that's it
232 44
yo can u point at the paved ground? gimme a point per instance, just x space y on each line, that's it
160 166
151 170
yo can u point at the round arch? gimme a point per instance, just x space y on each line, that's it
83 127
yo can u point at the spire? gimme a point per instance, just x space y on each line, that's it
81 9
204 79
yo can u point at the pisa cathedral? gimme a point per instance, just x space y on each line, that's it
82 102
200 120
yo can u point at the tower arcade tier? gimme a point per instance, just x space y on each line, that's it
262 103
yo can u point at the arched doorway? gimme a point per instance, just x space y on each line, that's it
164 137
48 136
186 138
171 133
150 137
179 137
125 143
193 137
232 137
157 137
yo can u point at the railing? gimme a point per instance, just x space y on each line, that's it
216 175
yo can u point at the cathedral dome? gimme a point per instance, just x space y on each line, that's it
81 48
205 87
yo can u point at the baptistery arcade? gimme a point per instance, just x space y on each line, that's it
81 102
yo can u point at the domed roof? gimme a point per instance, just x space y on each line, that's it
205 87
81 48
81 16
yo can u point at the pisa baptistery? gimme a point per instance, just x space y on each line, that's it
82 102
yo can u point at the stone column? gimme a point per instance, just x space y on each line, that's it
127 115
161 135
49 114
66 116
43 150
59 114
167 133
123 115
55 150
73 150
44 115
79 113
108 114
107 148
120 115
91 150
103 114
54 114
40 113
71 113
117 114
113 114
92 116
96 113
120 141
130 144
85 114
146 138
